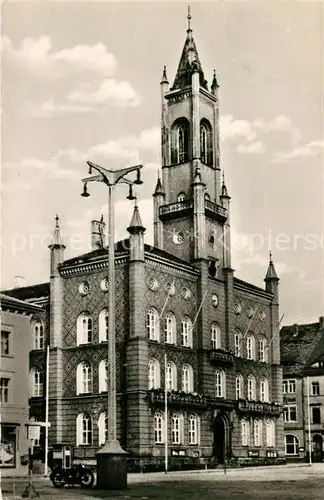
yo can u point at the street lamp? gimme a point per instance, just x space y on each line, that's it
111 458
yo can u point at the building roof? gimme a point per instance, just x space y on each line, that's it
29 292
301 346
12 304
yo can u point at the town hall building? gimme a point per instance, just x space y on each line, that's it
184 321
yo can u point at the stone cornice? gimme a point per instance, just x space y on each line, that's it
252 289
167 265
90 267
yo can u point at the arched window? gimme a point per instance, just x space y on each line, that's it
270 433
264 390
37 382
103 428
257 426
238 343
159 428
39 335
84 430
207 197
103 325
250 346
153 324
186 332
177 428
251 388
291 445
181 197
220 383
171 376
180 141
215 336
262 350
154 374
239 386
187 379
245 432
84 329
103 376
84 378
170 330
206 143
194 429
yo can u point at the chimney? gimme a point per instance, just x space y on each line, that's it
321 323
295 330
97 234
20 281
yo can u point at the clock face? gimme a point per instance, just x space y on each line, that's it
215 300
104 285
178 238
84 288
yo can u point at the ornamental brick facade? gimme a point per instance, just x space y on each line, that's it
221 327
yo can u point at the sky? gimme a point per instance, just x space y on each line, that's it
81 81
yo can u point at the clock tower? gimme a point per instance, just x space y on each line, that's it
191 204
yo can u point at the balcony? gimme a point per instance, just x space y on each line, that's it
178 398
258 407
219 356
215 211
175 210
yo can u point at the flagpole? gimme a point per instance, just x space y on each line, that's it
273 336
309 424
165 415
199 309
46 412
252 318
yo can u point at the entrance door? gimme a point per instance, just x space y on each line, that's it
219 439
317 448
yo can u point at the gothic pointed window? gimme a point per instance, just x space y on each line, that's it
180 141
206 147
84 328
187 378
103 376
103 325
84 429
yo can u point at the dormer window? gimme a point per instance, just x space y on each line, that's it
180 141
181 197
206 143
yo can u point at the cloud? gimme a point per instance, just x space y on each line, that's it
109 91
313 148
231 128
253 148
51 168
37 53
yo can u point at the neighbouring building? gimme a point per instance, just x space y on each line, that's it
302 358
180 298
14 386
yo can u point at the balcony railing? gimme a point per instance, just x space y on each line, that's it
215 209
178 398
176 208
221 356
259 407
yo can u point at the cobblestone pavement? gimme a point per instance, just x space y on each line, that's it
290 482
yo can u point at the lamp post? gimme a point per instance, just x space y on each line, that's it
111 458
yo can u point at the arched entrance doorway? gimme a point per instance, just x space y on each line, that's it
221 438
317 448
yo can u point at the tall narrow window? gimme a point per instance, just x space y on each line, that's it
154 374
220 382
239 386
171 376
206 149
251 388
103 325
177 428
180 141
186 332
187 378
103 376
170 329
103 428
84 378
4 390
84 329
84 429
257 432
238 343
153 324
159 428
264 390
215 336
245 432
38 336
270 433
250 346
37 382
194 429
262 350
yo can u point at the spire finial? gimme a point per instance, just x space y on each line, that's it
189 19
223 178
57 219
270 255
135 202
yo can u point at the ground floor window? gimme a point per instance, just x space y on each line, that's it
8 445
194 429
159 428
291 444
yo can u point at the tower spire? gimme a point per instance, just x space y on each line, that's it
189 20
57 239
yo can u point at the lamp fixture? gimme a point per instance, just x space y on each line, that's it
85 193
